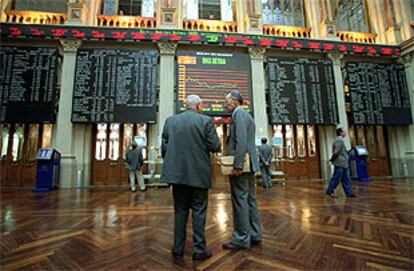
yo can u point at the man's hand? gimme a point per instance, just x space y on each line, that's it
236 172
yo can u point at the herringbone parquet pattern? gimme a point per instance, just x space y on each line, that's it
114 229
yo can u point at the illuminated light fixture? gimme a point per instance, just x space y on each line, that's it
126 21
210 25
286 31
35 17
351 36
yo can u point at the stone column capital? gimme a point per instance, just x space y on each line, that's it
167 48
336 57
406 59
257 53
70 45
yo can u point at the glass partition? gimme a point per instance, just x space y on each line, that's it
142 132
18 141
32 142
283 12
47 135
114 136
5 133
290 142
278 141
128 137
311 141
100 147
300 139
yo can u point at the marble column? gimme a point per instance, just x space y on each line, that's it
313 10
4 5
64 126
166 105
258 92
408 61
340 94
327 25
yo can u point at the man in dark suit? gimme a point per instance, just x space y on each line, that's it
187 140
241 140
133 163
265 159
339 159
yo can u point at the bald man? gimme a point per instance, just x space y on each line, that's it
187 140
241 140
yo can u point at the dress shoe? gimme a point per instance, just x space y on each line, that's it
202 256
352 196
255 242
133 190
231 246
331 195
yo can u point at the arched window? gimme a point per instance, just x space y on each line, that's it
350 15
209 9
60 6
283 12
142 8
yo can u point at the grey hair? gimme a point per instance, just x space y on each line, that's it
192 100
235 95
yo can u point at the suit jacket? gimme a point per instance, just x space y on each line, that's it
241 139
134 159
265 154
339 154
187 140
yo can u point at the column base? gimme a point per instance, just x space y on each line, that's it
67 171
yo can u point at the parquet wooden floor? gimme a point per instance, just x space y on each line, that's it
114 229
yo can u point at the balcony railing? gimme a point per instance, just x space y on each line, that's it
356 36
126 21
286 31
210 25
34 17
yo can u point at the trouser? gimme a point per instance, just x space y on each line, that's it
196 199
267 182
133 176
246 221
340 174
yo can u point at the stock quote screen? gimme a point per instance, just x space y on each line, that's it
212 75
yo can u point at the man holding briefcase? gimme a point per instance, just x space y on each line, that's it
241 140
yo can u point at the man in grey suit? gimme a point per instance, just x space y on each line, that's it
339 159
187 140
265 160
241 140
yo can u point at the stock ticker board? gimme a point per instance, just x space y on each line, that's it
113 85
378 94
28 84
301 91
212 75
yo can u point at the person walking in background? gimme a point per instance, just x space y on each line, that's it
133 163
265 160
339 159
187 140
247 230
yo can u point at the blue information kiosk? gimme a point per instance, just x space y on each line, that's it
48 167
358 161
